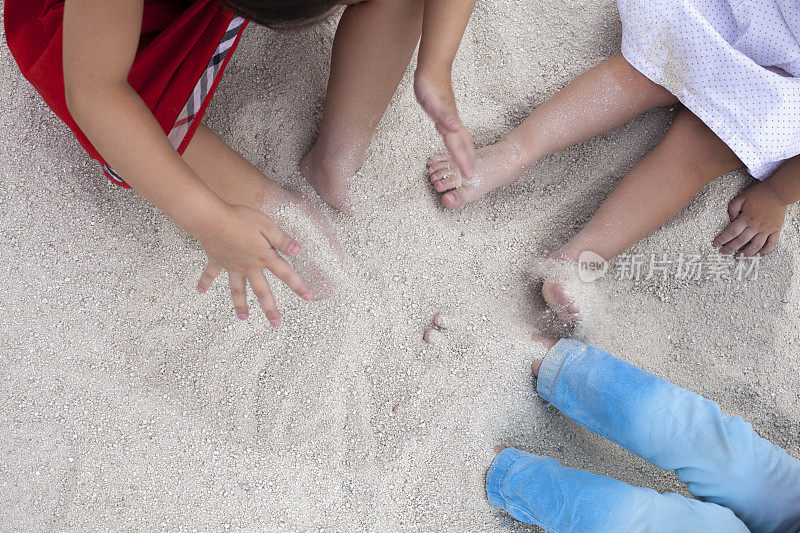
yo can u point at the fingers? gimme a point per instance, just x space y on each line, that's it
460 146
737 242
208 276
284 272
263 292
266 300
772 242
755 244
238 284
445 117
279 239
450 124
735 207
735 228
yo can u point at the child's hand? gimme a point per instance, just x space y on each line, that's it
435 94
245 242
756 218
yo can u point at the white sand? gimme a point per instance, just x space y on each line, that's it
127 401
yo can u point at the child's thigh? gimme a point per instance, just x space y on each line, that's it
224 170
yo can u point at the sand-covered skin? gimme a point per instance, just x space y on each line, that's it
127 401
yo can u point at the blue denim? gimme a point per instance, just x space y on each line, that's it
741 481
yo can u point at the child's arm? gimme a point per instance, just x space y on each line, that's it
443 27
757 214
100 42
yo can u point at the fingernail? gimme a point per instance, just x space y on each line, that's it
242 316
294 249
275 322
307 296
201 290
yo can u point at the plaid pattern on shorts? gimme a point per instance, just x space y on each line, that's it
201 91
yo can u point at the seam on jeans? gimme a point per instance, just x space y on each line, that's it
508 505
563 354
530 516
505 473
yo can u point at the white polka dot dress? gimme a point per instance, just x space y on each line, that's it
733 63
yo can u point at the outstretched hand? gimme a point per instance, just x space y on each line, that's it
435 95
756 220
245 242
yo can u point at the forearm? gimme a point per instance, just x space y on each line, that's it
443 27
785 183
129 138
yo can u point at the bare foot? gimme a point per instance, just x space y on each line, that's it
497 450
559 301
496 165
548 343
328 176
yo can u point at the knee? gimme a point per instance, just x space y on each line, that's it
638 86
704 155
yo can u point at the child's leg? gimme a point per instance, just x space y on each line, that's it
371 51
237 181
538 490
720 458
688 158
599 100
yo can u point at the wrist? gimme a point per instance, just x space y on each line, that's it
201 214
776 191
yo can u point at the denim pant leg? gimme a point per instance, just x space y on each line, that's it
538 490
720 458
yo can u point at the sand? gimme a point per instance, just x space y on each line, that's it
129 402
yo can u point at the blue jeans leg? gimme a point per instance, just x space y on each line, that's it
720 458
538 490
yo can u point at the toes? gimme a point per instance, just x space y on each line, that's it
438 158
560 303
547 342
431 335
455 198
438 165
440 174
447 183
535 366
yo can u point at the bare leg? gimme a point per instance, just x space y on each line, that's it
232 177
371 51
688 158
600 100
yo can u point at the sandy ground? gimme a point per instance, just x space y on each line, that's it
129 402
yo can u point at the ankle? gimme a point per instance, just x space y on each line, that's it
333 161
566 253
516 153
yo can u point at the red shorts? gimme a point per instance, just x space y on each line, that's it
184 48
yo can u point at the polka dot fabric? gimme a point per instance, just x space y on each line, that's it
735 64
